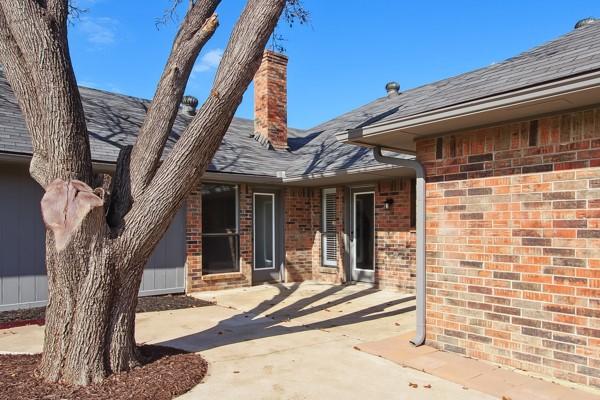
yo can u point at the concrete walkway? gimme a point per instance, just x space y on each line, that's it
288 342
491 379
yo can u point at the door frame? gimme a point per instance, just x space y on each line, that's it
273 230
359 274
278 268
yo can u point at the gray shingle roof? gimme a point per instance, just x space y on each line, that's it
113 119
574 53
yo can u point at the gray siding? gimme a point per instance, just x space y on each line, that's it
165 270
23 281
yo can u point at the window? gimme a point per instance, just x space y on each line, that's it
220 237
329 236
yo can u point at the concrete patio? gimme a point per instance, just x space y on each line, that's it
288 342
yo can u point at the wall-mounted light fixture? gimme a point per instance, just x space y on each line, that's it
388 203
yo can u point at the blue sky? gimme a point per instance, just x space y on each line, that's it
340 61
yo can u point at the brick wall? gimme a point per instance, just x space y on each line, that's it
395 247
394 240
302 224
193 235
270 100
513 242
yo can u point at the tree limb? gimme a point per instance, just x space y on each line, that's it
197 28
26 94
154 210
121 189
59 10
44 49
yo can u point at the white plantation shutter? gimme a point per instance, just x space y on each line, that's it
330 245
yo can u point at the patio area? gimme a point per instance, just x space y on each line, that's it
289 342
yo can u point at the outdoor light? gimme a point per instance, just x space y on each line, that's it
388 203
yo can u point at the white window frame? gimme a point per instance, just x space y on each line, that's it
324 259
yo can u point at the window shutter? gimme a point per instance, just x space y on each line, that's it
330 245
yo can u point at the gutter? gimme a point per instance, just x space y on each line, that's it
24 158
336 173
419 339
280 179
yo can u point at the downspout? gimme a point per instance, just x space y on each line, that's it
419 339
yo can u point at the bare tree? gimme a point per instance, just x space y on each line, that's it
98 240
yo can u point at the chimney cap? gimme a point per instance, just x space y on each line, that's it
189 105
392 89
585 22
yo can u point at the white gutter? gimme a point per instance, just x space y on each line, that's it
539 93
337 173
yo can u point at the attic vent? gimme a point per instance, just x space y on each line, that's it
585 22
392 89
189 105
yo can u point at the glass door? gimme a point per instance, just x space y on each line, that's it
266 265
363 236
264 231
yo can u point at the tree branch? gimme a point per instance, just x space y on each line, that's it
59 9
26 94
198 27
44 49
151 214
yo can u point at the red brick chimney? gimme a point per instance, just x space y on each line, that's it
270 100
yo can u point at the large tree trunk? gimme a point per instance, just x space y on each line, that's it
81 284
90 318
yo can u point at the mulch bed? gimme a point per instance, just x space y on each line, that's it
169 302
166 374
35 316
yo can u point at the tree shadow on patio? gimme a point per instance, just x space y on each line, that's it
257 323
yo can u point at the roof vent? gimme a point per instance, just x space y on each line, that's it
392 89
585 22
189 105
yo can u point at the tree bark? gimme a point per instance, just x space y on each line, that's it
80 283
94 275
